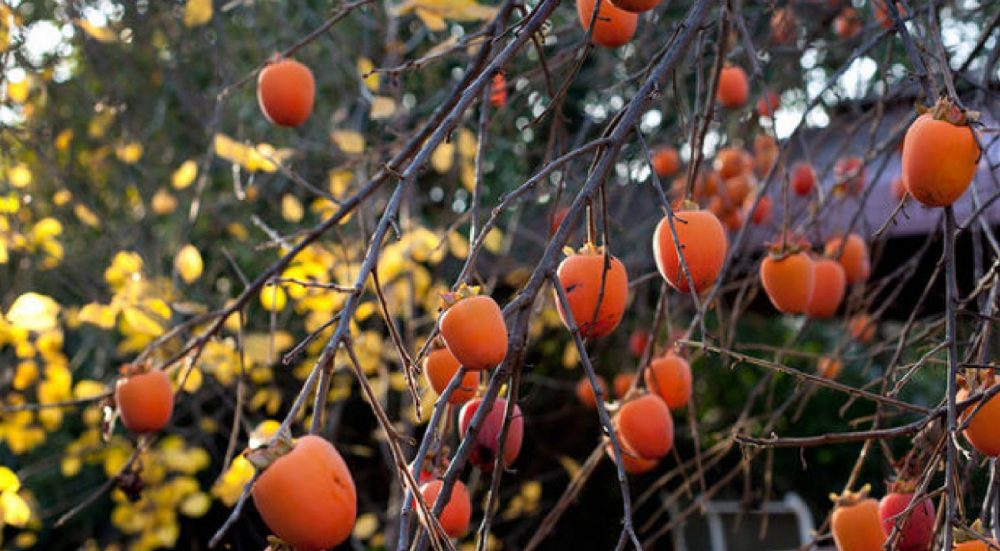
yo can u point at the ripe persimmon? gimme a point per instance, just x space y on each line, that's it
457 513
631 463
613 27
788 280
829 368
768 104
646 427
730 162
803 179
829 286
666 161
145 398
635 6
982 431
733 88
622 383
669 377
440 367
898 189
738 188
703 243
285 91
596 295
882 14
783 27
498 91
765 153
855 522
940 155
854 257
917 531
585 391
847 24
474 330
762 215
305 492
484 449
976 545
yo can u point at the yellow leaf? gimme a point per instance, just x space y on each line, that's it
188 263
443 157
62 197
33 312
431 19
339 181
63 139
184 175
348 141
193 381
366 526
291 208
195 505
365 67
15 510
468 175
87 388
493 241
273 298
457 244
99 315
86 215
571 356
129 153
467 143
17 90
46 228
382 107
19 176
163 202
8 480
197 12
138 322
100 34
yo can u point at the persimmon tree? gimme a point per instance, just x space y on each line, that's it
366 269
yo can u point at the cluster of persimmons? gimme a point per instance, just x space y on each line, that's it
689 246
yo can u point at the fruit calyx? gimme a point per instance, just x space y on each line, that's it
902 486
262 457
946 110
587 249
686 205
784 247
274 543
463 292
849 498
138 368
975 532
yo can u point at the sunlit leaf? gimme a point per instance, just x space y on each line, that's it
291 208
99 315
443 157
197 12
63 139
339 181
8 480
365 67
273 298
188 263
14 509
348 141
86 215
98 33
365 526
19 176
17 90
129 153
184 175
163 202
382 107
33 312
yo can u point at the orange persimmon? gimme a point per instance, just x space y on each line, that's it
585 391
703 242
285 91
622 383
613 27
940 155
145 398
982 431
803 179
854 257
631 462
788 281
666 161
596 296
829 286
440 367
855 523
733 88
646 427
669 377
474 330
457 513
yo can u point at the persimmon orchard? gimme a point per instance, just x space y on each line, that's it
305 275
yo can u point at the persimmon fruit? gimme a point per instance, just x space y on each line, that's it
917 531
457 513
861 328
788 281
940 155
440 367
484 449
145 399
622 383
803 179
767 104
613 27
596 293
854 257
703 243
306 496
669 377
585 391
829 368
637 342
631 463
635 6
982 431
829 286
733 88
285 92
855 523
474 330
666 161
730 162
847 24
646 427
498 91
